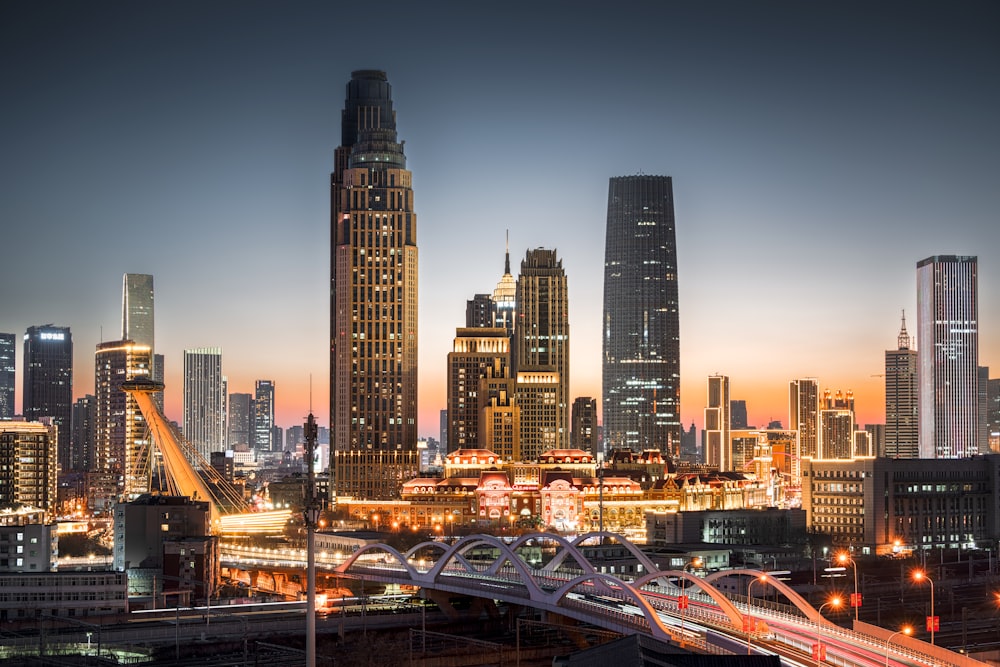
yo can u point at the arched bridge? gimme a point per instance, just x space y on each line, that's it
568 583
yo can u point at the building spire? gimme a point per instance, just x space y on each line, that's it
904 338
506 262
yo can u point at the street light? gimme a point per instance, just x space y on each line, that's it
905 630
918 576
844 558
750 622
682 599
834 602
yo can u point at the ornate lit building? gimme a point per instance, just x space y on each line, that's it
901 399
477 353
373 299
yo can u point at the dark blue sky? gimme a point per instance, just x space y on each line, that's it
818 150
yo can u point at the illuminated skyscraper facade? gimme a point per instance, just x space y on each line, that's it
373 292
8 356
641 326
836 426
718 450
28 469
48 381
120 445
541 353
137 308
948 353
901 399
263 416
204 400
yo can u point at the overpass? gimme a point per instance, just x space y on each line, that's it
673 606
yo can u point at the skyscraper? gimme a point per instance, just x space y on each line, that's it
641 327
8 356
263 416
583 423
717 424
84 433
120 445
138 320
240 421
505 297
373 293
803 418
204 400
137 308
474 352
541 353
48 381
948 352
836 426
901 393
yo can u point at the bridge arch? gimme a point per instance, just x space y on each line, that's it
636 552
800 602
656 626
725 604
345 566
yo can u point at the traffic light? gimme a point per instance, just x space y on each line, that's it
855 599
933 624
682 602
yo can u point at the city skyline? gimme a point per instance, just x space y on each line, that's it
817 153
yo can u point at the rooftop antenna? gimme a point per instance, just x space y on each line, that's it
506 263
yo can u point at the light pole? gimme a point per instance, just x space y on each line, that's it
906 630
311 516
834 602
750 621
682 600
844 558
918 576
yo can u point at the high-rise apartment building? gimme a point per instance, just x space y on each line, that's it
641 327
240 422
901 399
120 447
541 353
8 356
373 308
717 447
263 416
948 353
803 414
28 470
836 426
583 424
204 400
474 352
48 381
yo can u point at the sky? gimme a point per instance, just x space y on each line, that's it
818 150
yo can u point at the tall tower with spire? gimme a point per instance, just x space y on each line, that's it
505 296
373 299
901 399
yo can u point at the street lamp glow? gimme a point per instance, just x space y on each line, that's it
905 630
750 622
919 576
835 603
844 558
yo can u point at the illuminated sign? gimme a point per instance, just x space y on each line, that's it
52 335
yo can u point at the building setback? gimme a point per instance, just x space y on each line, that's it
373 299
641 326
